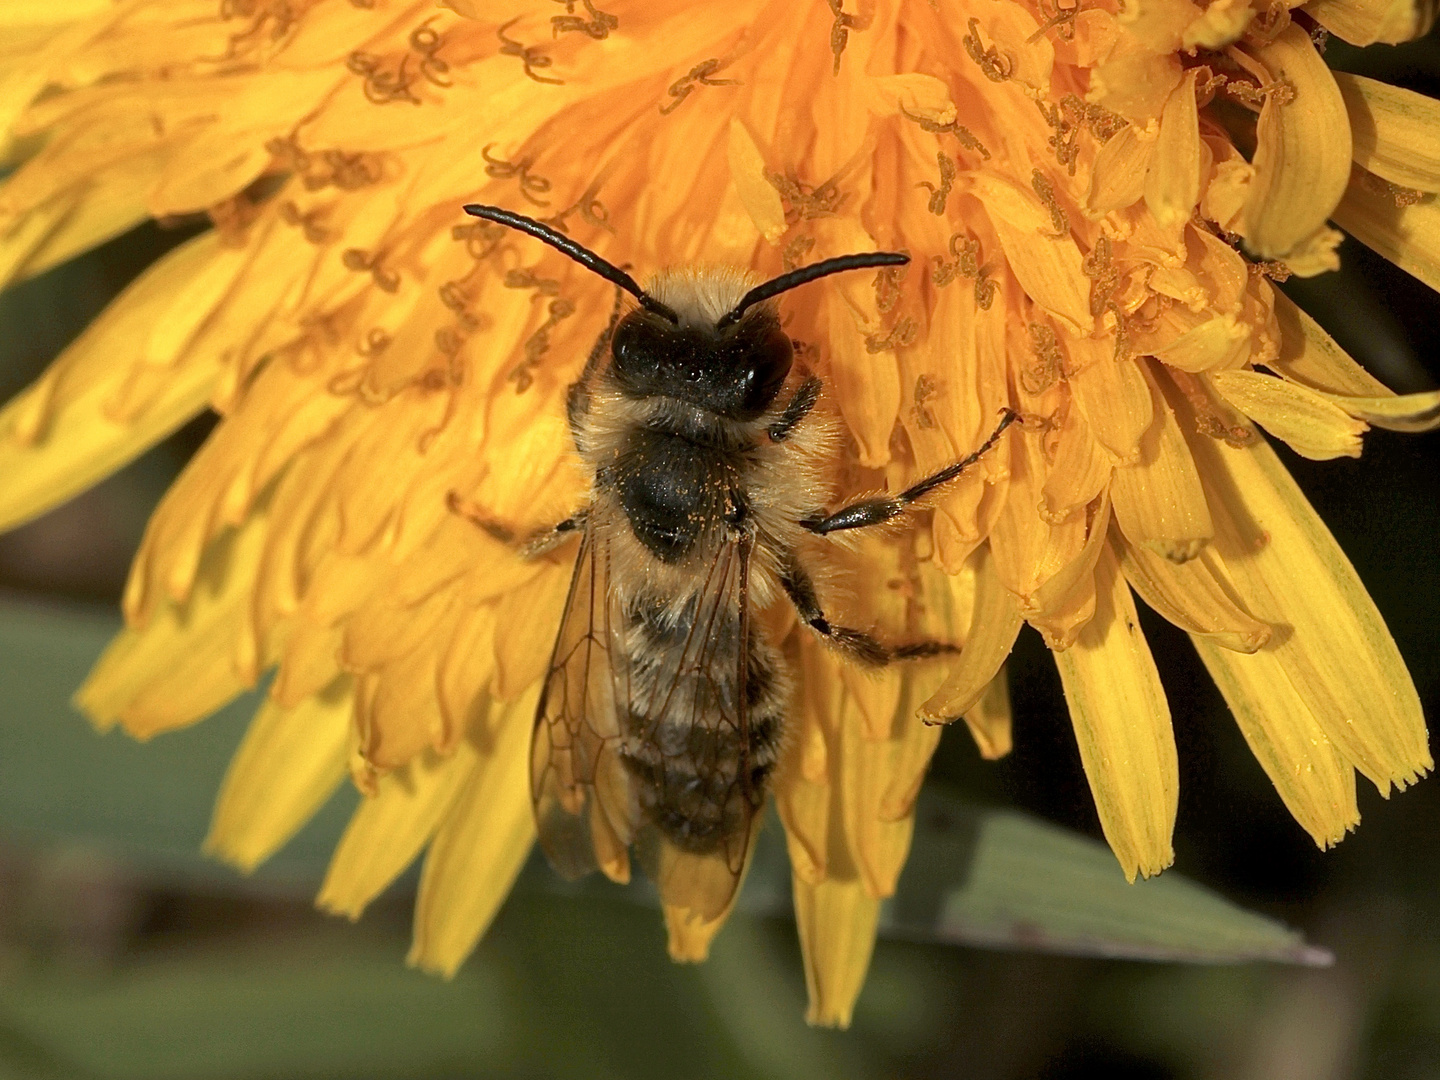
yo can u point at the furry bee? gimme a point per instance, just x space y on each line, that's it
663 712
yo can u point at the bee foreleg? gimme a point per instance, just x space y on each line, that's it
531 546
798 407
860 646
878 510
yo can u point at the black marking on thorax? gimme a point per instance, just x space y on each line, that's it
674 491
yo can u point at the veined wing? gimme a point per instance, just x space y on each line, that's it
687 697
584 807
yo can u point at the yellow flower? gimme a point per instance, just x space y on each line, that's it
1070 181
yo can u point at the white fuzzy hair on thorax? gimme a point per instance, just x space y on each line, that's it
701 294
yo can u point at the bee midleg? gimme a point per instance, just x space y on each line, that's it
531 546
577 398
877 511
860 646
796 409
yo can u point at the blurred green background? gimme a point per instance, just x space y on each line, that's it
123 953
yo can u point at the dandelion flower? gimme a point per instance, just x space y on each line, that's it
1096 197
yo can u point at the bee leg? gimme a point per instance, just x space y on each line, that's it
857 644
531 546
877 511
799 406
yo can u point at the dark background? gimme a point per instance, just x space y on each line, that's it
114 963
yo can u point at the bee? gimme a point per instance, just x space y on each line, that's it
663 712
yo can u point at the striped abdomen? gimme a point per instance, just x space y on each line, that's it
699 744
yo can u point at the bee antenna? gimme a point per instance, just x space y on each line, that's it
581 254
807 274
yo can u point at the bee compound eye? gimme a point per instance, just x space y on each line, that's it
768 363
638 350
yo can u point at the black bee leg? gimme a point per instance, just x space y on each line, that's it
858 645
531 546
877 511
577 399
799 406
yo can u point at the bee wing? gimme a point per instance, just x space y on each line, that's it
697 695
584 808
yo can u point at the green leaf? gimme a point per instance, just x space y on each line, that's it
1000 879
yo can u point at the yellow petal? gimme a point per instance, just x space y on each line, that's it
1049 270
1122 723
1396 131
1395 412
1117 402
1314 780
747 173
1158 500
1332 643
389 828
1409 236
989 719
1080 472
59 436
1117 179
1310 356
993 629
1302 154
288 764
1172 185
480 848
190 658
836 921
1065 602
1313 425
1192 595
1368 22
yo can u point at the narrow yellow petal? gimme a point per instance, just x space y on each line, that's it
1048 268
1158 500
836 921
190 658
1314 780
1172 185
993 628
389 828
530 619
1395 412
1192 595
1310 356
1368 22
1288 571
1065 602
59 436
1117 402
1302 155
1122 724
1313 425
1081 470
1117 179
1409 236
480 847
1396 131
288 764
989 719
758 195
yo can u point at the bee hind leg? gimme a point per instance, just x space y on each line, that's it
530 545
861 647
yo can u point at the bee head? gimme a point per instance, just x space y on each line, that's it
734 371
732 362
